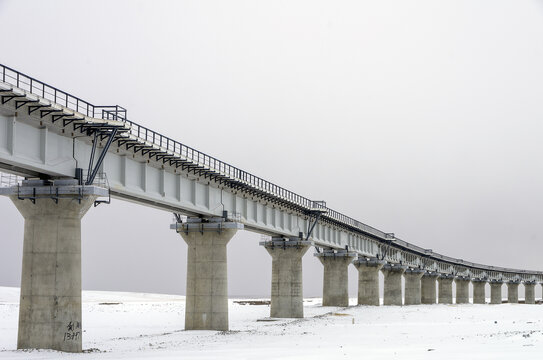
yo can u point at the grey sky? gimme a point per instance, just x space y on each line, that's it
421 118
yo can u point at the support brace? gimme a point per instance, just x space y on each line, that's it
93 168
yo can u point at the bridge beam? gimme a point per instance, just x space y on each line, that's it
206 305
444 285
393 284
335 284
479 291
287 287
50 302
512 291
462 289
413 286
529 292
428 288
368 280
496 291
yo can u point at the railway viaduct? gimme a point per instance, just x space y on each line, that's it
55 152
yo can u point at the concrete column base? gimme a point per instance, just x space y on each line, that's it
428 288
444 285
479 291
207 286
413 286
335 285
393 284
286 290
529 292
512 292
496 291
462 289
368 280
50 303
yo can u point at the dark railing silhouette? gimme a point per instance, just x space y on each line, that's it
118 113
60 97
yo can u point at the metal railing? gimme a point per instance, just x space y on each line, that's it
48 92
9 180
99 180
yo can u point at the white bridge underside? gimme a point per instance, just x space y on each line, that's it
31 145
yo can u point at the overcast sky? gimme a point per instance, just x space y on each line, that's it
422 118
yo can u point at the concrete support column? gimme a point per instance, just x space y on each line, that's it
286 289
444 285
462 289
496 291
393 284
368 280
50 302
479 291
428 288
207 287
335 285
413 286
512 291
529 292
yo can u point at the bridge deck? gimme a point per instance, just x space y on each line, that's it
149 168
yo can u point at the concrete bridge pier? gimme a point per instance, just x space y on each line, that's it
496 291
393 284
444 284
286 289
462 289
50 302
413 286
368 280
512 291
207 287
428 288
335 284
529 292
479 291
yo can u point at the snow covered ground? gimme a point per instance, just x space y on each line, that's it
150 326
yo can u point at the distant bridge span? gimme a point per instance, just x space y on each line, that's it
48 134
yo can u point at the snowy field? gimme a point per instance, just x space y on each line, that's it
148 326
